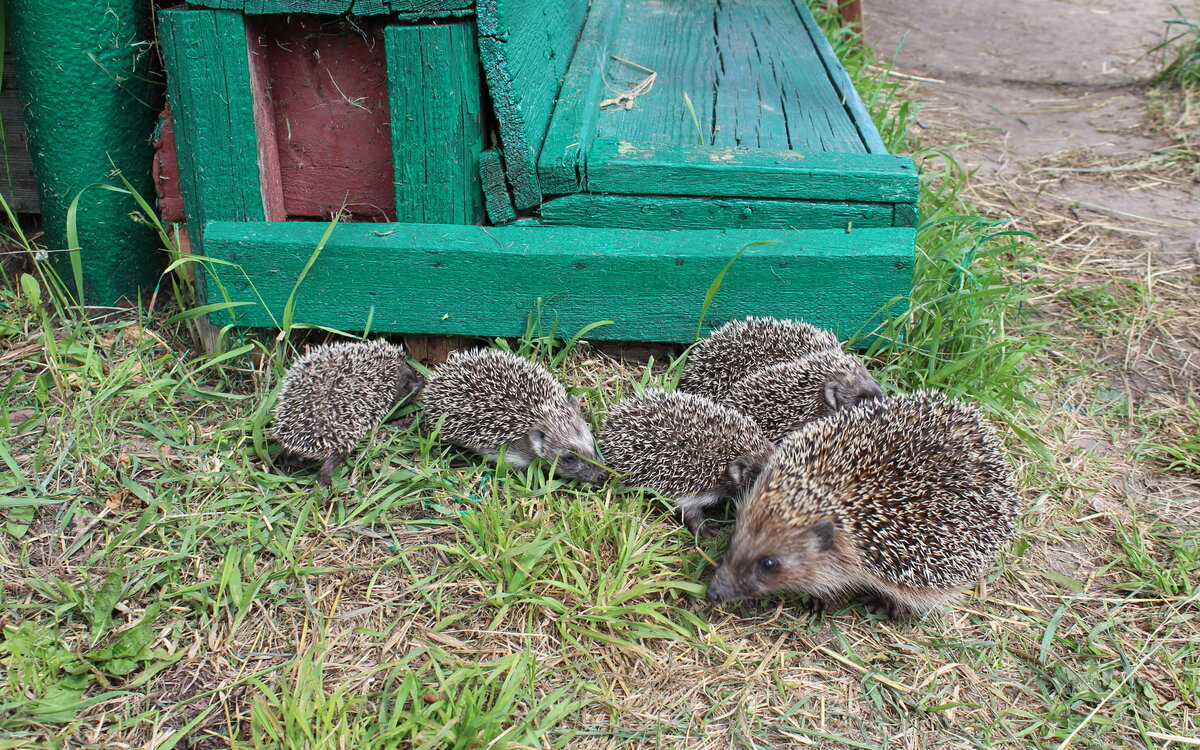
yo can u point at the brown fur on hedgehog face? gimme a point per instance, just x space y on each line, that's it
809 557
565 440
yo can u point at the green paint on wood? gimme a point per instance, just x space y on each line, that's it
573 123
841 82
905 215
622 167
486 281
686 212
437 130
525 46
415 8
90 104
495 191
208 75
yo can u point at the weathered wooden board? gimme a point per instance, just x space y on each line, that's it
573 123
165 169
328 90
437 123
525 46
339 7
495 188
206 52
622 167
687 212
17 181
486 281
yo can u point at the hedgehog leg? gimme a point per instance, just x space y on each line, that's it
879 604
325 475
693 518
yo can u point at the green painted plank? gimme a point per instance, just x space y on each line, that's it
687 212
486 281
750 82
416 8
208 85
904 215
436 122
620 167
841 81
495 190
573 124
525 47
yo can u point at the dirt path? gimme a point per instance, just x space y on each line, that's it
1047 84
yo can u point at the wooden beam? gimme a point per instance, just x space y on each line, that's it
436 122
688 212
488 281
852 14
209 86
622 167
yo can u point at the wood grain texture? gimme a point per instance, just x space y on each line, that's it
416 8
165 170
841 81
437 122
686 212
750 82
621 167
573 123
208 85
17 181
495 189
525 46
485 281
328 87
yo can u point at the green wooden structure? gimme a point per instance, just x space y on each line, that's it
594 162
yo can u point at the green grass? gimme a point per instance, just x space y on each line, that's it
165 585
1179 53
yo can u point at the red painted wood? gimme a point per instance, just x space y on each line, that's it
166 170
327 82
269 178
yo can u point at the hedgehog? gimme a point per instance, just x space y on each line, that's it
684 447
784 396
488 399
741 347
334 395
900 502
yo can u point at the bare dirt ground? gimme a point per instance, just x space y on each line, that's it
1047 84
1050 102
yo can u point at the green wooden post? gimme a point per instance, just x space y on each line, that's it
216 137
90 106
434 92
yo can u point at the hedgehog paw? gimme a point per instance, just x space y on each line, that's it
879 604
816 605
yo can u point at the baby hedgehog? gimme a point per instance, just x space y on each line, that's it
741 347
685 447
334 395
785 396
900 501
488 399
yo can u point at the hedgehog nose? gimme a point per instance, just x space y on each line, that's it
716 593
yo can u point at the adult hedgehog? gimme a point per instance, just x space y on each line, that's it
903 502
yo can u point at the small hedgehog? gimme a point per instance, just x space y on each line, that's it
685 447
487 399
784 396
902 502
334 395
741 347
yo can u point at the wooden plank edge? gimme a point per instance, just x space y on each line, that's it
734 172
520 158
495 189
489 281
576 113
853 103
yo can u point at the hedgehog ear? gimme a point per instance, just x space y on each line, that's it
739 471
833 391
537 439
824 532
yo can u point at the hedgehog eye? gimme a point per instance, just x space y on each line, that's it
768 564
